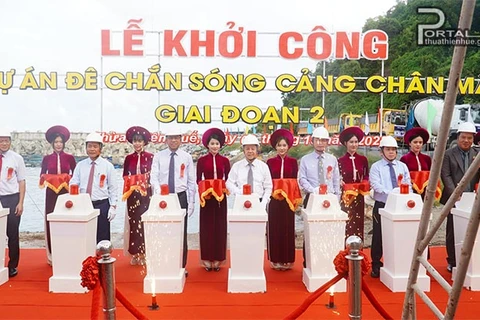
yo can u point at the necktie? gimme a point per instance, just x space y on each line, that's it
171 173
1 161
321 174
354 168
465 168
465 161
250 176
393 176
59 168
90 179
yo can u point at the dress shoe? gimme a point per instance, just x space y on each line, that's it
186 274
12 272
449 268
208 269
216 269
375 273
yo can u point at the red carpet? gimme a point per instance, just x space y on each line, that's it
205 295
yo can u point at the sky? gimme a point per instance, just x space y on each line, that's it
65 36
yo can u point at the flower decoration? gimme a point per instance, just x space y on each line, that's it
400 179
90 273
182 170
9 173
102 180
329 172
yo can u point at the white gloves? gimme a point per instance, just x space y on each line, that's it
111 213
190 209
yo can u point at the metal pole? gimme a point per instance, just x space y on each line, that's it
101 94
158 95
107 278
454 76
323 91
380 116
354 283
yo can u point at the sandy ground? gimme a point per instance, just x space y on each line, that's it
37 239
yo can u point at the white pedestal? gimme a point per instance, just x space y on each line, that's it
461 216
164 245
73 234
247 246
324 232
3 237
399 233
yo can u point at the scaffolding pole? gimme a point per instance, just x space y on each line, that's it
458 59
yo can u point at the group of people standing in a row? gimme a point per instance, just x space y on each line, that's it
276 183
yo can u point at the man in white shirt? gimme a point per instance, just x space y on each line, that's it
317 168
96 176
251 171
174 167
12 194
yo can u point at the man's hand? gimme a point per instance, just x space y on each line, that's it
19 210
111 213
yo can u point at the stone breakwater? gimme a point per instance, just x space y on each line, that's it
33 146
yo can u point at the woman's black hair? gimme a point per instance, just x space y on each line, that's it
137 137
415 136
56 136
348 136
280 139
213 136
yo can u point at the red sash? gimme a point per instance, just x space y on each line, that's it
136 182
420 182
289 190
55 182
211 187
352 190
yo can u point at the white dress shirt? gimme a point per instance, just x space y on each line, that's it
14 163
160 168
308 173
262 180
102 167
380 179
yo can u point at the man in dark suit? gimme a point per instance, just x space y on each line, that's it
455 164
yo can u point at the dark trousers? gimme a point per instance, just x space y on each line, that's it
103 225
182 198
377 246
13 222
450 241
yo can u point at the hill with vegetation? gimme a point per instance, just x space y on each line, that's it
405 57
